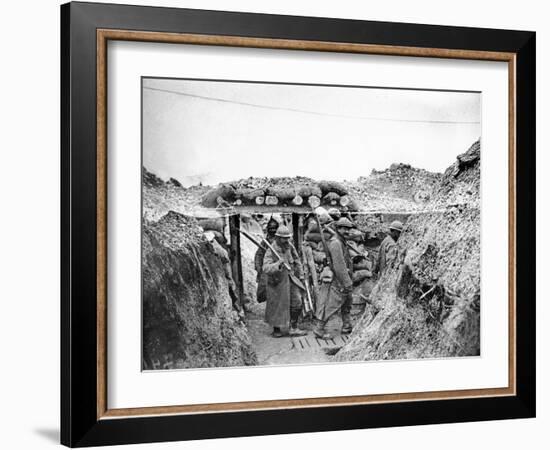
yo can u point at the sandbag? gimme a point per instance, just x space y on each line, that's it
249 194
211 223
332 198
283 194
220 238
225 191
332 186
307 191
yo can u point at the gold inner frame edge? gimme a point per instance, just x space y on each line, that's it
103 36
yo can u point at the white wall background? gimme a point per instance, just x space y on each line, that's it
29 329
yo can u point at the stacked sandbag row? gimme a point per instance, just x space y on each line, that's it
328 193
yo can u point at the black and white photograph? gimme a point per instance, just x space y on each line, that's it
293 224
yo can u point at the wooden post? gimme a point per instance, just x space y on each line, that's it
235 254
298 230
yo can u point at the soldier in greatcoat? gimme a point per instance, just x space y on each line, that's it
284 301
261 277
336 282
388 248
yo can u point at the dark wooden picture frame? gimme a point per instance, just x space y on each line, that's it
85 417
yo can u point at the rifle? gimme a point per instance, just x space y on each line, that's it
293 277
308 304
323 240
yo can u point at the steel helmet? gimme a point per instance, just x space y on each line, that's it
344 222
323 214
272 223
396 225
283 231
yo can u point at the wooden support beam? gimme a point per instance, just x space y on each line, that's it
298 230
235 254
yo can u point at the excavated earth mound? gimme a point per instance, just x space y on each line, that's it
427 302
187 315
398 189
160 196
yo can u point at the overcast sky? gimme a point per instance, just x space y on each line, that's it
210 131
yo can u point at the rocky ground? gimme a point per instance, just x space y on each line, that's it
398 189
160 196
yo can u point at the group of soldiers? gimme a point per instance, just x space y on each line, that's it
331 246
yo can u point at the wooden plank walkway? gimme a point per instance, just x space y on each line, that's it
311 342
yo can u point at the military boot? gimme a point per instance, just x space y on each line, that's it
277 333
319 330
294 330
346 323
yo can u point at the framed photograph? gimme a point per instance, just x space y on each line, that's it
277 224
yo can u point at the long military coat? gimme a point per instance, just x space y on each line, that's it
331 295
386 253
282 293
261 278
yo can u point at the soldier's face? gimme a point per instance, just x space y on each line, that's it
284 242
344 231
271 230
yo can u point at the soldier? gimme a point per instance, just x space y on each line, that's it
388 247
284 302
336 288
272 226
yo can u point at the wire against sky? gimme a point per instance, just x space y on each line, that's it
303 111
202 131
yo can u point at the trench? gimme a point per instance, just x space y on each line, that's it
426 303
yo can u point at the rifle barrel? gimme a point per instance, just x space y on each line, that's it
279 257
250 238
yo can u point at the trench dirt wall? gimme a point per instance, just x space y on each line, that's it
187 314
426 303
